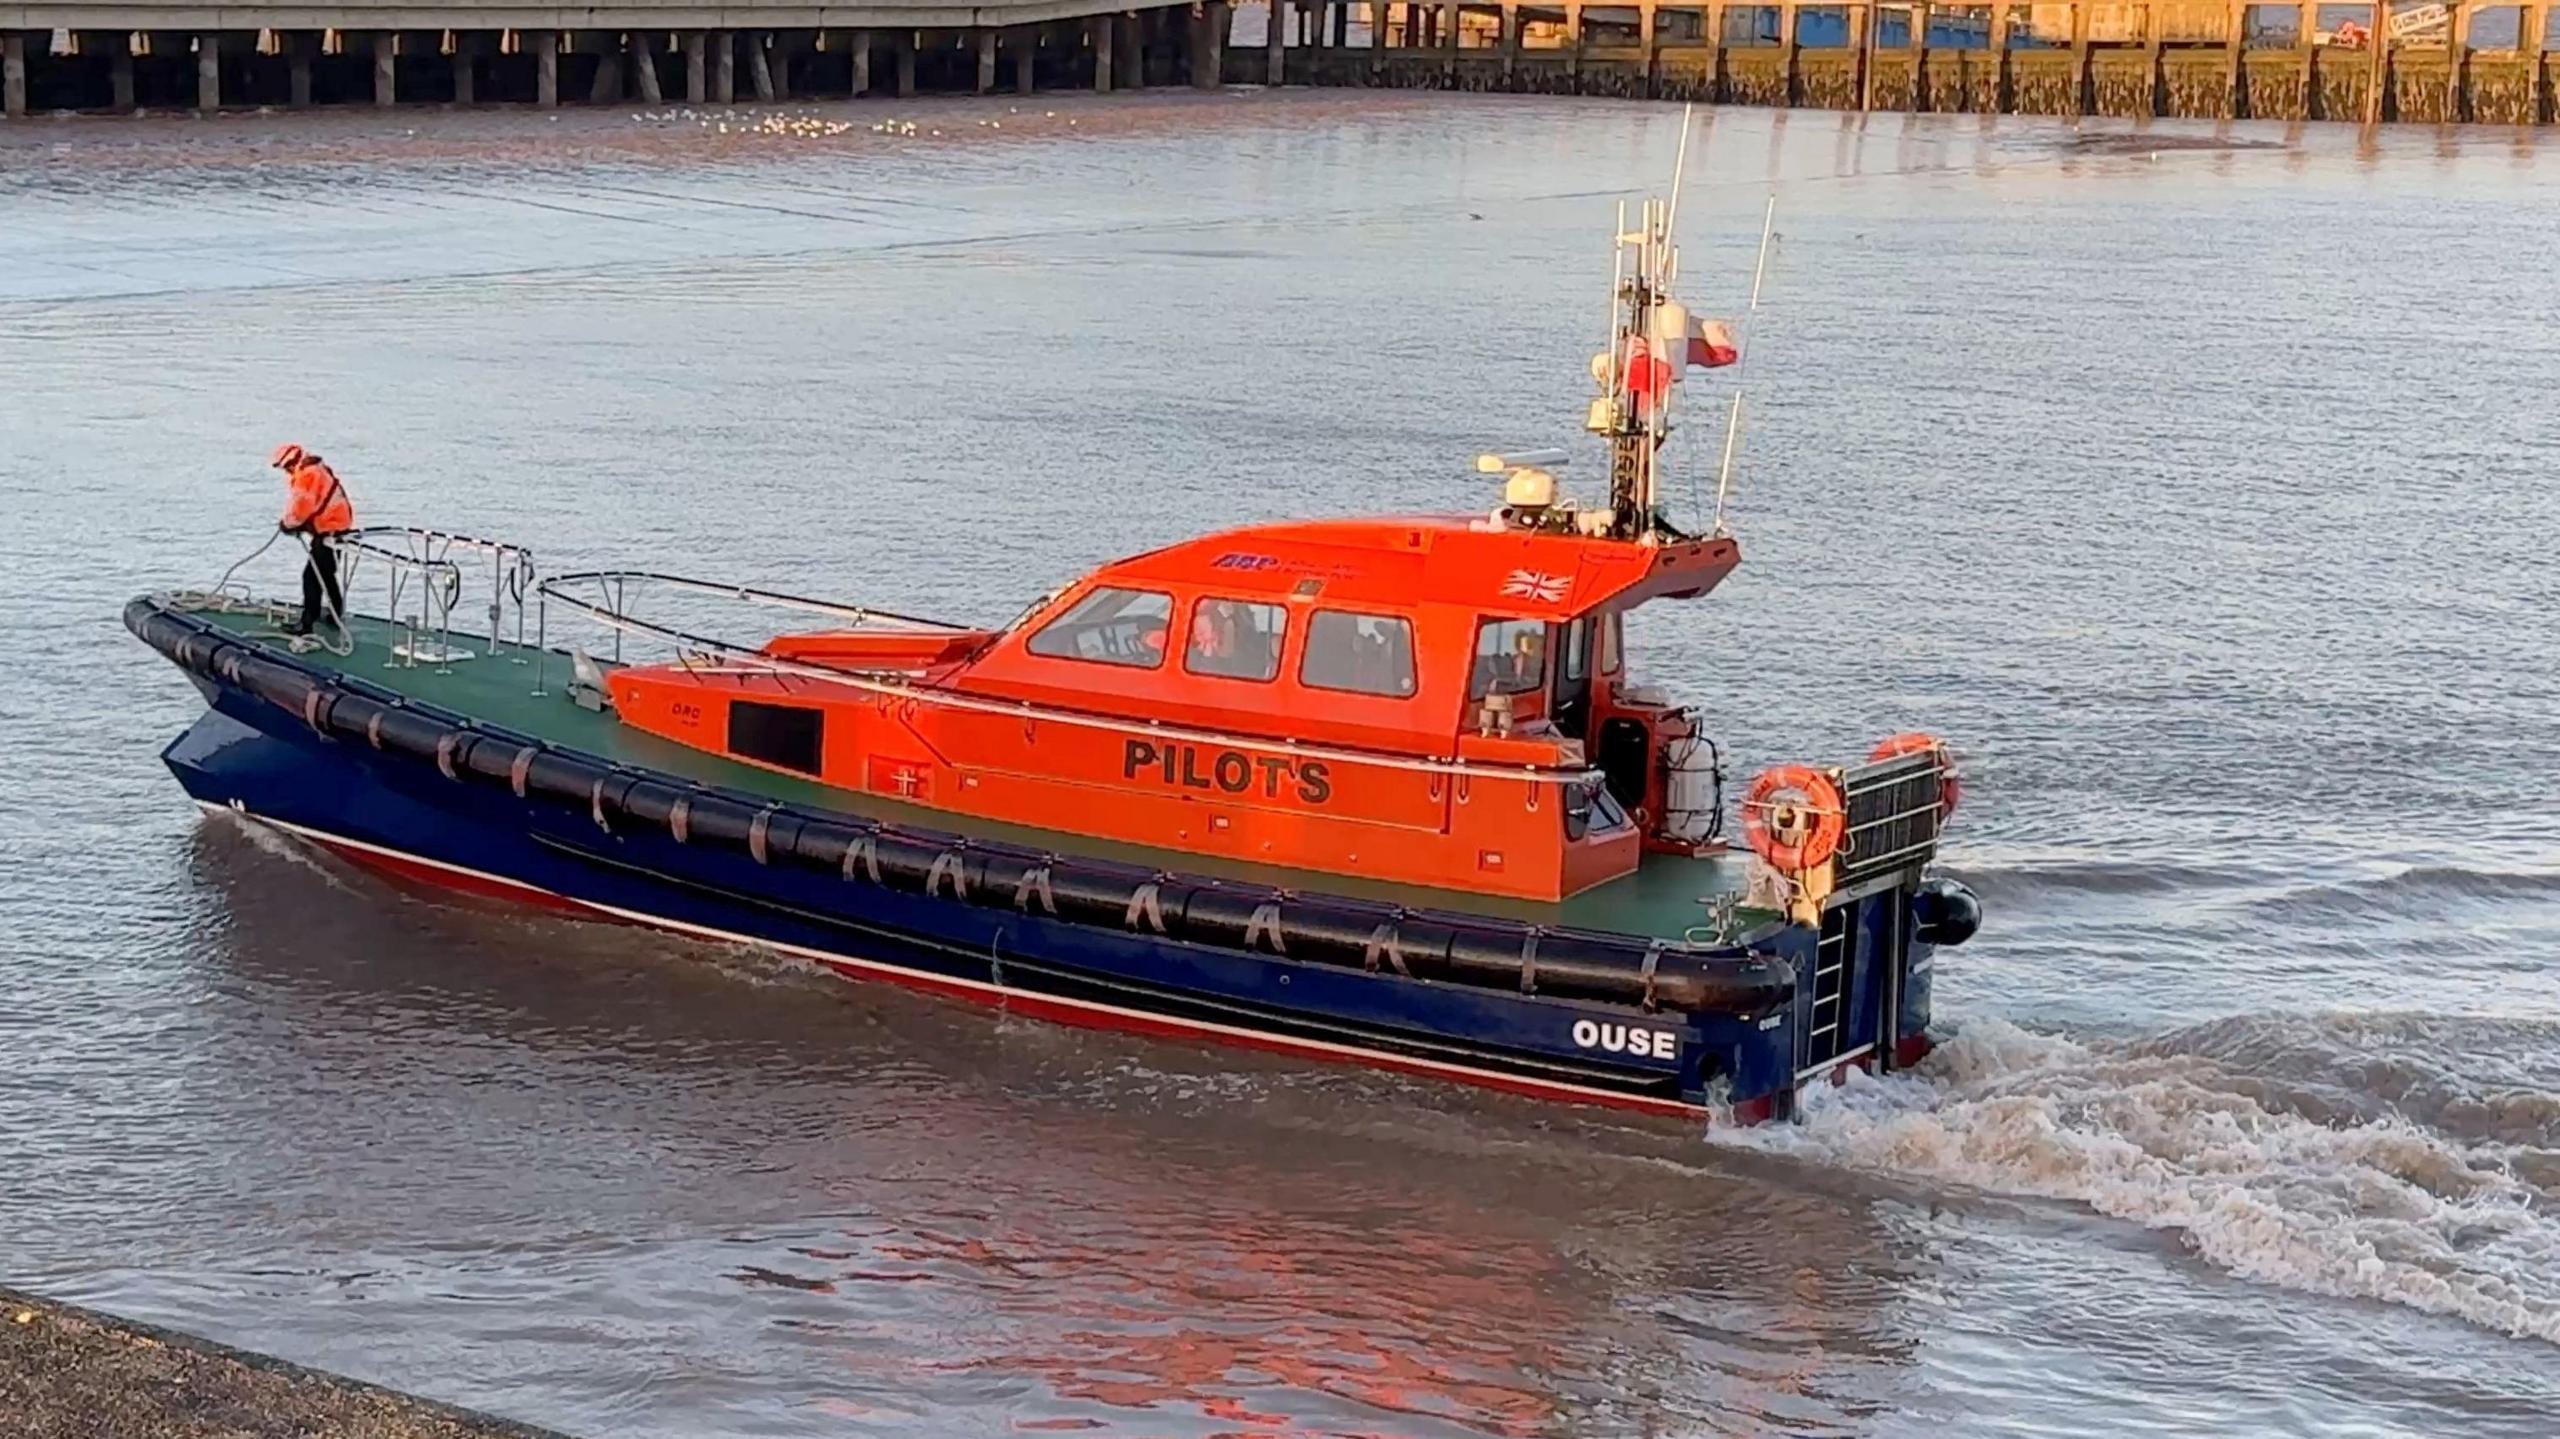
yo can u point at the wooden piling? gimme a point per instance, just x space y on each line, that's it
1275 46
1510 43
2235 85
644 67
2081 84
2533 32
1648 41
861 46
1864 17
1209 60
606 87
386 73
1026 40
759 66
2378 88
2457 60
208 72
986 42
546 70
466 80
1378 19
2003 93
2306 36
2155 81
1920 55
1787 57
697 69
1102 28
724 67
1573 38
13 75
1129 60
1711 18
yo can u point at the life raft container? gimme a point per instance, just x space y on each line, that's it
1792 817
1950 784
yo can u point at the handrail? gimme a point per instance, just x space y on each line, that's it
859 614
614 616
429 553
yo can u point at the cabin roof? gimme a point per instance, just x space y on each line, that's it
1407 560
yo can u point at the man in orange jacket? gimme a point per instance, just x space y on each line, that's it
315 506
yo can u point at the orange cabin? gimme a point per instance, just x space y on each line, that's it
1431 701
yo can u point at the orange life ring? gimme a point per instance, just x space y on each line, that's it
1792 817
1950 786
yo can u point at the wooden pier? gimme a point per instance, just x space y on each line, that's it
117 56
2397 60
2418 61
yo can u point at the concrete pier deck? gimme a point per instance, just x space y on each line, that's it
70 1373
2365 62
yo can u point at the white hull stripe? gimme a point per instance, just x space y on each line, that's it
997 993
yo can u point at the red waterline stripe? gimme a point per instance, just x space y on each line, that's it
1081 1013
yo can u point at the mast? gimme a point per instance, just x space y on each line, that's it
1632 414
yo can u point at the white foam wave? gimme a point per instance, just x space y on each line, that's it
2381 1210
268 839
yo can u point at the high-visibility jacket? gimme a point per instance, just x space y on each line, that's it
316 501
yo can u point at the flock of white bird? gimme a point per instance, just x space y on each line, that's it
802 125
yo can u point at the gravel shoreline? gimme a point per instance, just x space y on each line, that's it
72 1373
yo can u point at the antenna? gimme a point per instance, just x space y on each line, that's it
1733 420
1679 167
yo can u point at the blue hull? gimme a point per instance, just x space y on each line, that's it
424 818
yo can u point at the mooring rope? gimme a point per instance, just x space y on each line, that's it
220 600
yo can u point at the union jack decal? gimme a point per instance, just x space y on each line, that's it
1546 589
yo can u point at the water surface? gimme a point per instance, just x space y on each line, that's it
2197 482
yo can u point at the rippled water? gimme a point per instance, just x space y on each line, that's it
2199 484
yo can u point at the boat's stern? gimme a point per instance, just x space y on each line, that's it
1865 919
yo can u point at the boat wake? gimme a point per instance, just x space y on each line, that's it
2409 1159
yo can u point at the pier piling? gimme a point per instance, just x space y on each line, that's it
208 72
1130 68
1209 45
546 69
2200 59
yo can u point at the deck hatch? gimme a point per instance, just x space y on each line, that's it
790 736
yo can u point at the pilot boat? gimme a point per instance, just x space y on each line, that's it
1379 790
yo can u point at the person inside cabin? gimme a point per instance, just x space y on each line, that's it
315 507
1151 630
1213 638
1528 663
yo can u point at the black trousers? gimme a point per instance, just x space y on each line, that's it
320 573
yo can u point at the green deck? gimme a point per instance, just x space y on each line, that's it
1664 898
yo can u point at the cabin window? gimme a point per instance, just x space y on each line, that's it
1574 657
1109 626
1363 654
790 736
1613 642
1511 658
1235 639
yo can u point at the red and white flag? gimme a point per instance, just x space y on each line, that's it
1711 344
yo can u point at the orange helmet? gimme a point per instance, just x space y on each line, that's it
287 456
